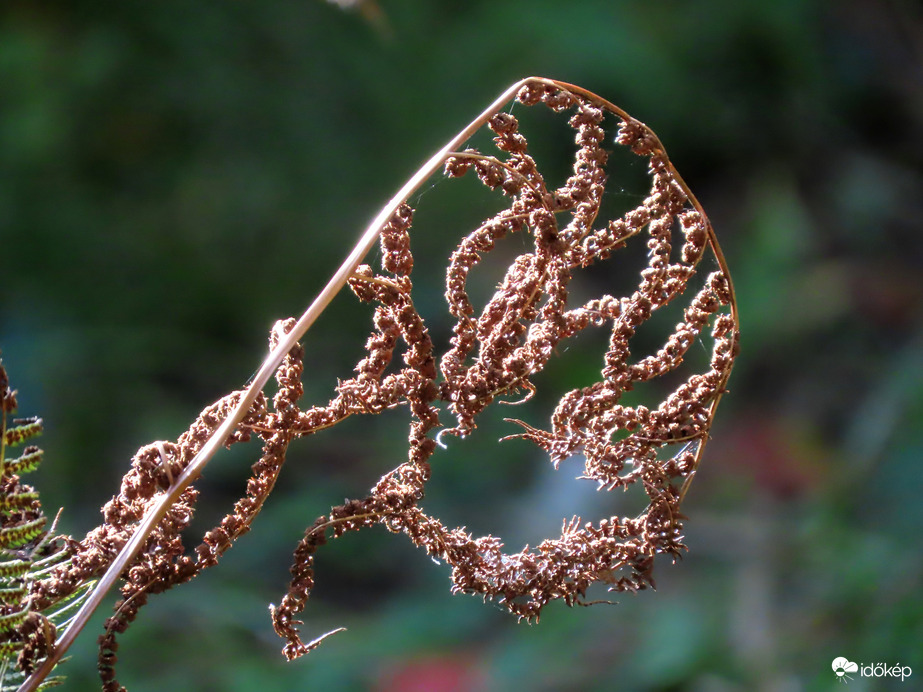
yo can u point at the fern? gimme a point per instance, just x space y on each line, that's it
29 552
140 545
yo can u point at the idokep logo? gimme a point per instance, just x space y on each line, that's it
842 667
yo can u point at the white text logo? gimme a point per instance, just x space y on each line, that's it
842 667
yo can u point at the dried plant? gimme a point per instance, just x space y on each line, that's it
495 353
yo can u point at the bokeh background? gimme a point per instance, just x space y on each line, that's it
175 176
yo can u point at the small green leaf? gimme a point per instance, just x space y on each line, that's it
28 461
11 569
13 594
20 534
8 648
22 430
17 502
11 620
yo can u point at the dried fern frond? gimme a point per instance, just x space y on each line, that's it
501 349
29 553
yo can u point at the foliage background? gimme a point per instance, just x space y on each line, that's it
175 176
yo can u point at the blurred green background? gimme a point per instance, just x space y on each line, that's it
175 176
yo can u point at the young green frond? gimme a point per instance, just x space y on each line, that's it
29 553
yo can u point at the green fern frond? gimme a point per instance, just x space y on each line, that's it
29 552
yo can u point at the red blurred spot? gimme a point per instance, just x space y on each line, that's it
432 674
785 458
